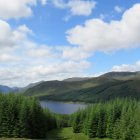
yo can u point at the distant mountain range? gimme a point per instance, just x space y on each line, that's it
105 87
84 89
6 89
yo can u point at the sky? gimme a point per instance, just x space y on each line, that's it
43 40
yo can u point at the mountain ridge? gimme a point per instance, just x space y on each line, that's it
104 87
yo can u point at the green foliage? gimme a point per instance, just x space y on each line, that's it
117 120
77 123
67 134
23 117
62 120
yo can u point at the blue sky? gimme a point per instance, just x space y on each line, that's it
57 39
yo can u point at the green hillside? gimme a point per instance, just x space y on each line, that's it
102 88
59 87
123 75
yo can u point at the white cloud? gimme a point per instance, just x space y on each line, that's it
10 38
8 58
16 8
74 53
98 35
59 68
23 61
127 67
80 7
118 9
32 62
76 7
5 34
21 76
59 4
39 51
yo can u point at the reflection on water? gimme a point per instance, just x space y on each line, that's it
61 107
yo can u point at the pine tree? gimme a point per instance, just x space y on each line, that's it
23 127
93 123
23 117
101 129
76 123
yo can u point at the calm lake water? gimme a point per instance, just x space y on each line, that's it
61 107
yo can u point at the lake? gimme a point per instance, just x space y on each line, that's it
61 107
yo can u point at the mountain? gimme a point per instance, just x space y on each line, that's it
105 87
5 89
103 92
76 79
59 87
23 89
123 75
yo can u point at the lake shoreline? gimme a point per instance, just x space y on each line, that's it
60 101
62 107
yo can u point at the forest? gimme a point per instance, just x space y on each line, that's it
118 120
23 117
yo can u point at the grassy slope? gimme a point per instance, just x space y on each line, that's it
67 134
59 87
104 92
108 86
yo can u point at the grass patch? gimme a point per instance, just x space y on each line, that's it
67 134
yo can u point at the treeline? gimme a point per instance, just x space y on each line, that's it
24 118
118 120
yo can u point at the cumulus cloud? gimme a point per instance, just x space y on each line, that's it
127 67
23 61
64 67
11 40
76 7
16 8
5 33
39 51
32 62
21 76
10 37
98 35
74 53
79 7
8 58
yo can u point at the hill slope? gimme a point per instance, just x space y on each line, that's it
60 87
102 88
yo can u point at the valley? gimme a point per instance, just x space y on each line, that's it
96 108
